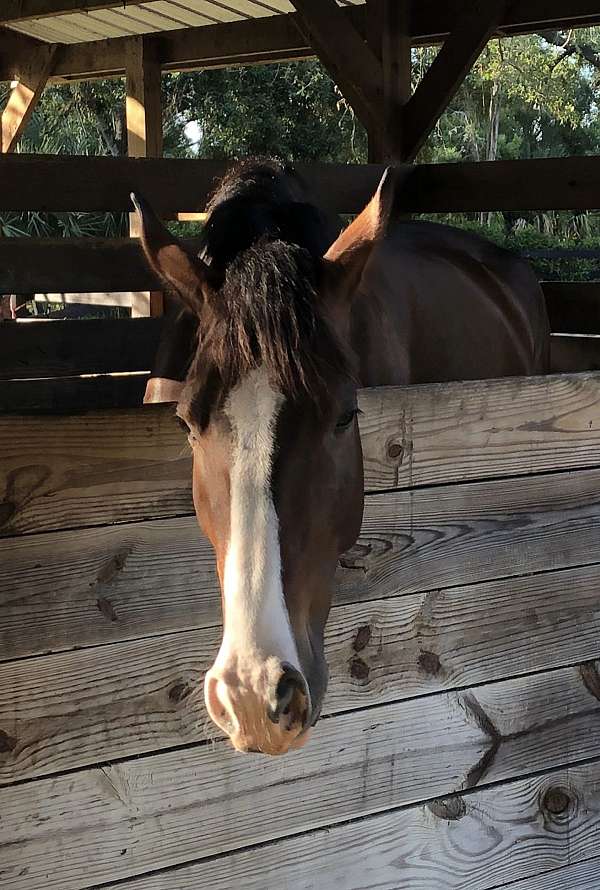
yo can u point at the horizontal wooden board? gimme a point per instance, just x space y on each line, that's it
570 355
93 468
577 876
157 811
66 348
29 265
71 395
114 265
494 838
127 465
573 306
77 183
67 711
454 432
86 586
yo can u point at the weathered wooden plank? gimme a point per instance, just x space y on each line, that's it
60 471
71 395
454 432
156 811
63 589
451 432
66 711
73 347
54 182
482 841
578 876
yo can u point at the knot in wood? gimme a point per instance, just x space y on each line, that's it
559 802
8 742
395 451
359 669
362 638
429 663
451 809
179 691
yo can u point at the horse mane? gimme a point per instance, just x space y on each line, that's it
264 241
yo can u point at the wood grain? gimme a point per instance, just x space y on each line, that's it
578 876
121 819
420 540
59 472
78 708
119 466
454 432
485 840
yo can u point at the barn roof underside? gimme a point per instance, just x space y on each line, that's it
134 18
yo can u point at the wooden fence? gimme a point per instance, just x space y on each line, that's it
178 186
459 744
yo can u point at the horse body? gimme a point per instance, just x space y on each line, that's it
436 303
287 329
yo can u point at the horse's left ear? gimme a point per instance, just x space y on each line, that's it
181 271
346 258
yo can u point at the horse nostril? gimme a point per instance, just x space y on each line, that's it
290 682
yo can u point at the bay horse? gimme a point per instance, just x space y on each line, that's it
285 318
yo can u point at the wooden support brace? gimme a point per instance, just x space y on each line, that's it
23 100
349 59
461 49
144 123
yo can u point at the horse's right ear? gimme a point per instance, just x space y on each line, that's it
175 265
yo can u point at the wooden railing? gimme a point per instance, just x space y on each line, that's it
55 183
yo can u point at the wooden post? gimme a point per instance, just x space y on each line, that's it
396 62
388 33
22 101
143 117
374 36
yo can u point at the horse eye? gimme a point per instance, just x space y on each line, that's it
346 419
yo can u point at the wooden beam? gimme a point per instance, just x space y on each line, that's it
373 35
31 349
22 101
396 62
59 183
61 265
72 395
21 10
447 72
143 100
349 59
143 116
277 38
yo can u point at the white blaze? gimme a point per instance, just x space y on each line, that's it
256 618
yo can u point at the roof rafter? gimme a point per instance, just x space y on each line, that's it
21 10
